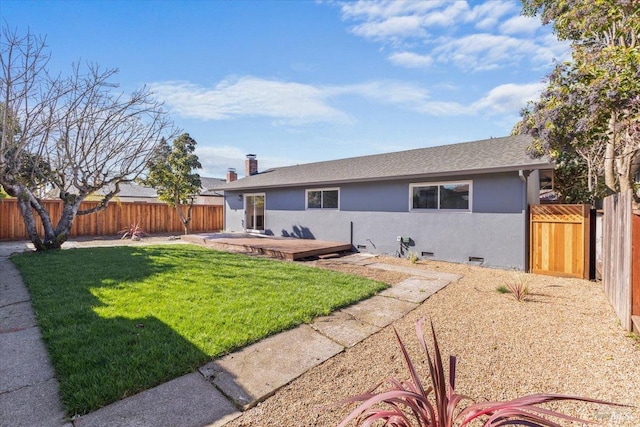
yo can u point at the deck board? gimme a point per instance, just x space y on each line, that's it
275 247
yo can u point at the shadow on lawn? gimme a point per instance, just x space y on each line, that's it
99 360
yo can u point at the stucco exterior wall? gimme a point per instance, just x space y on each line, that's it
372 215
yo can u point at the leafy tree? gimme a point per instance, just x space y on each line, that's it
591 107
67 137
172 174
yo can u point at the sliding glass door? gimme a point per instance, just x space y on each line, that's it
254 212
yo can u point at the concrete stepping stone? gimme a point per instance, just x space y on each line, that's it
189 400
256 372
413 271
343 328
414 289
357 259
380 311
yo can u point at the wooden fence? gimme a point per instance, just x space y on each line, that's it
559 237
620 253
152 218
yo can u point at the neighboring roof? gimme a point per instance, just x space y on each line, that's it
485 156
209 183
131 189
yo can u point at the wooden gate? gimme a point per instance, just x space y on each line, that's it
559 237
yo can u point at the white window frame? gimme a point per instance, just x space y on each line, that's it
321 208
438 184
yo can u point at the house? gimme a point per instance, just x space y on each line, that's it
133 192
463 202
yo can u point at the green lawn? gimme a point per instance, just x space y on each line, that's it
119 320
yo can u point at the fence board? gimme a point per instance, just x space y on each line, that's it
616 254
635 268
152 217
559 240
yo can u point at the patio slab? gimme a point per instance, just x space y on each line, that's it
380 311
344 328
256 372
414 289
186 401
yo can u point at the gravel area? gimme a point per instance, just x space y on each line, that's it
564 339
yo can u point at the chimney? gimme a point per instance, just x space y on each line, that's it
251 165
231 175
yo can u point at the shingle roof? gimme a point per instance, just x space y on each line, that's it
489 155
131 189
209 183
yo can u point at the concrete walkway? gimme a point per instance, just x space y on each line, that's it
220 390
28 386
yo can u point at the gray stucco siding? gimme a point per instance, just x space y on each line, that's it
373 215
499 193
497 238
375 197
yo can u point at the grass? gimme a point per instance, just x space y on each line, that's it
119 320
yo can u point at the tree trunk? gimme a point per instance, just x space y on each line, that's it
185 219
27 203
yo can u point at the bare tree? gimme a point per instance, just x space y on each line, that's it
70 137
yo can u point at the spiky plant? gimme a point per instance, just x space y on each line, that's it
409 403
134 232
519 288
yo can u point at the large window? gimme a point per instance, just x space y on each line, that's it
323 198
441 196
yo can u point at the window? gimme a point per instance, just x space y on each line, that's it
441 196
323 198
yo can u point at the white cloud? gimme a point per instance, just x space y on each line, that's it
410 60
487 15
286 102
388 92
520 25
449 16
391 28
444 108
507 98
479 52
252 97
367 9
248 96
486 36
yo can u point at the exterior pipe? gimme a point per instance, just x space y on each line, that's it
525 221
351 234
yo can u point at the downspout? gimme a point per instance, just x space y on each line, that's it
525 219
522 177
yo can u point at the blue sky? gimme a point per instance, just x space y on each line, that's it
304 81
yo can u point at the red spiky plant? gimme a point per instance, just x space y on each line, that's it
409 403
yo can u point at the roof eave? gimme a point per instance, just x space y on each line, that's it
514 168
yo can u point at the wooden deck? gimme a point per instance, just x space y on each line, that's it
274 247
